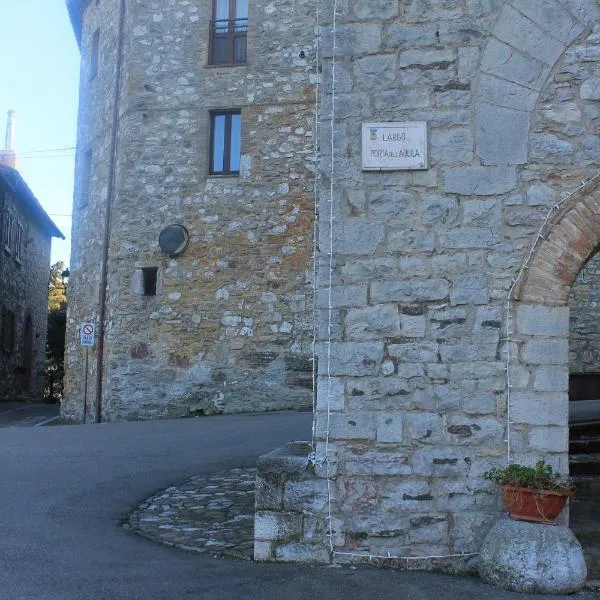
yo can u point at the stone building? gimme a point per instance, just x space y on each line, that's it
26 232
456 146
196 123
446 346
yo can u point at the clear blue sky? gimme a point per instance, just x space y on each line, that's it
39 78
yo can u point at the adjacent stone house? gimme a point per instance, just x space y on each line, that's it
26 232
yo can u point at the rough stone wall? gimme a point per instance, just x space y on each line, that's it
584 301
415 410
25 293
584 304
230 328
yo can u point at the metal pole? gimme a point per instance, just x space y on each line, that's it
85 389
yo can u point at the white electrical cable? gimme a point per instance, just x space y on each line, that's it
408 559
330 290
316 159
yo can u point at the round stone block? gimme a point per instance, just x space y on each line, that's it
532 557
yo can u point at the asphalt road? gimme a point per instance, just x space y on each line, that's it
27 414
64 491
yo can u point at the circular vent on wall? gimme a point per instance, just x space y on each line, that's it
173 239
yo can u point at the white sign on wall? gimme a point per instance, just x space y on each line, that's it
394 146
87 334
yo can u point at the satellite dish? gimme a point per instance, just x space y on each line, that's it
173 239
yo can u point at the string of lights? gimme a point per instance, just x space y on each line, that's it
330 288
316 159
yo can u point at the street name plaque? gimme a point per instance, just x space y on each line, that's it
394 146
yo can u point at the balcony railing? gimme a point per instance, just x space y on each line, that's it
228 41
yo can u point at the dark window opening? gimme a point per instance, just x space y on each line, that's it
19 243
228 31
86 179
7 231
584 386
95 54
8 330
225 142
27 353
149 279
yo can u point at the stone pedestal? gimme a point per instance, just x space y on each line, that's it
532 557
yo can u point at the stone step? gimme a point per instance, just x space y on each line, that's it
585 446
584 464
587 487
592 560
584 430
586 522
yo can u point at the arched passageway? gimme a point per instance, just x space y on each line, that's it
543 334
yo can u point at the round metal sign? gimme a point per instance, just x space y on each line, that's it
173 239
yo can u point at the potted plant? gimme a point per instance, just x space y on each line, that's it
532 493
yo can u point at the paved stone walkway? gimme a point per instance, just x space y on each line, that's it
212 514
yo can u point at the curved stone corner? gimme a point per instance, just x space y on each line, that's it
289 498
533 558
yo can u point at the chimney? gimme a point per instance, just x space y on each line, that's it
8 156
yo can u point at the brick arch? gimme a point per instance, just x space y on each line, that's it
570 239
525 43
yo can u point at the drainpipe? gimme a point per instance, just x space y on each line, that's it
107 218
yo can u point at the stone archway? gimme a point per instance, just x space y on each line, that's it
542 329
540 324
525 43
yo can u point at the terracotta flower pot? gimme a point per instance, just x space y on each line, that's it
539 506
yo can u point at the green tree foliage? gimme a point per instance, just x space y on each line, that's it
57 321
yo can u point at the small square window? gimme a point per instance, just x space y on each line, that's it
86 179
225 142
8 330
7 231
19 243
149 279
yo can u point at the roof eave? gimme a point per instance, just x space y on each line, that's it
17 186
76 8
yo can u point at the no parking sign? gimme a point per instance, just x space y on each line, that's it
87 334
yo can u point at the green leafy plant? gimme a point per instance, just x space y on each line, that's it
540 477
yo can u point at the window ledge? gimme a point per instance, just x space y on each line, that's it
226 66
223 175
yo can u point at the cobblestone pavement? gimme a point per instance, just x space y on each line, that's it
212 514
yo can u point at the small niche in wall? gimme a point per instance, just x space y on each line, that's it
145 281
149 276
